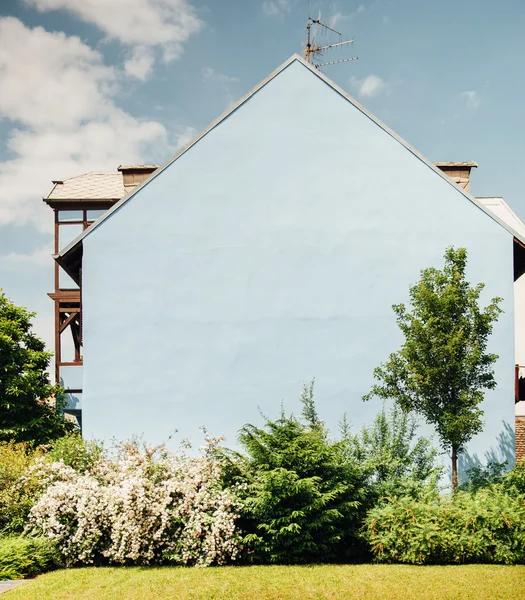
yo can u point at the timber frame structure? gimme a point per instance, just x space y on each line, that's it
77 203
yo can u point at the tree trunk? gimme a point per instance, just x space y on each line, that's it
454 468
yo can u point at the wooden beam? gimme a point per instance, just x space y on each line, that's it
66 295
69 319
58 353
77 340
69 309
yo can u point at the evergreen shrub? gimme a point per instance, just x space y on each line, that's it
304 496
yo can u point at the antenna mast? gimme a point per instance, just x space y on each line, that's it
313 50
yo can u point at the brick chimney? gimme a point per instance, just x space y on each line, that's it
458 171
135 174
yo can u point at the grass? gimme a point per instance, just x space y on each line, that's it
370 582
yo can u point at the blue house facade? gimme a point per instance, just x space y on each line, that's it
267 252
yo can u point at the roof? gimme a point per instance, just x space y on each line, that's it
92 186
456 164
500 208
75 244
137 167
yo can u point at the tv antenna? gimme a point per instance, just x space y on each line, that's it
313 50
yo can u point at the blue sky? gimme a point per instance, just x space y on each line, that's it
91 84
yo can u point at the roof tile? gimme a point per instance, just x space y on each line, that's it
96 186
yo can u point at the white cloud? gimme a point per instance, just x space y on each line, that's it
49 78
44 327
226 82
369 86
60 95
339 17
166 24
209 74
46 154
185 135
471 100
140 64
39 257
335 19
272 8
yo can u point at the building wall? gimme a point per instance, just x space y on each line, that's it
519 308
268 254
500 208
519 311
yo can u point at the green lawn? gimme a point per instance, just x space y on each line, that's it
479 582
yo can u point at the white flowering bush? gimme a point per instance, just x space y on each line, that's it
142 506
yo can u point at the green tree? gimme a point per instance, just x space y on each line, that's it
395 460
25 416
303 496
443 366
309 412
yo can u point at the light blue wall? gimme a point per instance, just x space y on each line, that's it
269 253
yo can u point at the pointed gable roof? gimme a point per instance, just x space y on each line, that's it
71 254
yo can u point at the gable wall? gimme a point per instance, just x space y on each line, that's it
270 253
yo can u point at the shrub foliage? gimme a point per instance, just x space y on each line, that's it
16 499
25 416
304 495
22 557
142 506
487 526
395 461
294 496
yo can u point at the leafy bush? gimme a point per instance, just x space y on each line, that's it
487 526
494 474
295 496
395 461
21 486
144 506
75 452
14 460
303 495
22 557
15 501
484 476
514 481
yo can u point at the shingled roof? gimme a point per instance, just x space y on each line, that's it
89 186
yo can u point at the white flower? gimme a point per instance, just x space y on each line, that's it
142 506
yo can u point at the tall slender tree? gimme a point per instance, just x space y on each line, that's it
443 367
25 413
